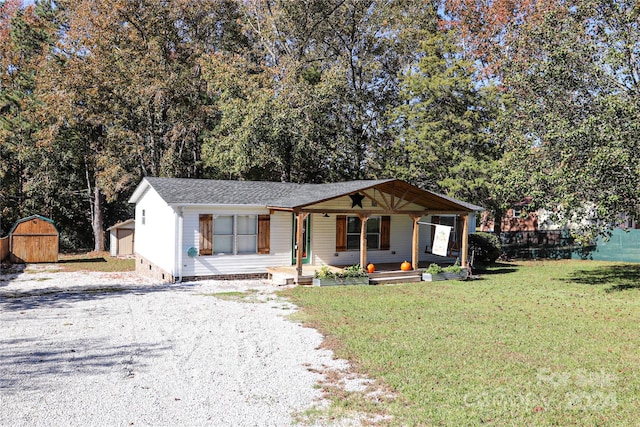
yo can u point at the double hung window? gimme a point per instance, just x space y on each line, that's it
228 234
353 233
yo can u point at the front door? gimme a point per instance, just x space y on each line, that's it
306 240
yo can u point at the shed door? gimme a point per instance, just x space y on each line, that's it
125 241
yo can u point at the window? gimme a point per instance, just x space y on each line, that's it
223 234
348 233
246 234
353 233
143 217
229 234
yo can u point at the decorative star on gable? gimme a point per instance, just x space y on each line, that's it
356 199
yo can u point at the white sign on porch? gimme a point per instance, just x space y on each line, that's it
441 240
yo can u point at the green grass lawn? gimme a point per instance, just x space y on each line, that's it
95 261
535 343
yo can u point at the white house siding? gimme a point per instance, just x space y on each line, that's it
323 240
280 245
155 239
323 243
323 234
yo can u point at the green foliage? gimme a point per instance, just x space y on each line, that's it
539 343
326 272
444 126
485 247
292 91
454 268
502 101
25 38
569 70
434 269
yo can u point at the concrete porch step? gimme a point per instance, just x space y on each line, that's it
284 279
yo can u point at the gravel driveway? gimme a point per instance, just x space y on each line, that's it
113 349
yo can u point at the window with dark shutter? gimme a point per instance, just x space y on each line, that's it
385 233
206 234
264 234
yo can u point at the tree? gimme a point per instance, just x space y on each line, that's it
445 138
25 37
307 99
577 111
126 81
571 69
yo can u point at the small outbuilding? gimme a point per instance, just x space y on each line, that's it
121 238
34 239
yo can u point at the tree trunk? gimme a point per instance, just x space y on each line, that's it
97 221
497 221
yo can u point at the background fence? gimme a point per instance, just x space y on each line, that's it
4 248
622 246
557 244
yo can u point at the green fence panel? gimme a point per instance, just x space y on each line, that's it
623 246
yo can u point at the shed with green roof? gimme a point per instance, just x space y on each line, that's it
34 239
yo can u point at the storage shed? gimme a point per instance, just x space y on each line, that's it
121 238
34 239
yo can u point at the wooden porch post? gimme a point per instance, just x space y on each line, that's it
363 240
465 240
300 217
415 241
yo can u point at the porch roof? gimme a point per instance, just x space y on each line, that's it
288 196
398 189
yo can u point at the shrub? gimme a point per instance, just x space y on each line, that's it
485 246
352 271
434 269
455 268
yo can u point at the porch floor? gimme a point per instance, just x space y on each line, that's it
286 275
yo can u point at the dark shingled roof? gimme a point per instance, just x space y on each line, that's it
284 195
220 192
260 193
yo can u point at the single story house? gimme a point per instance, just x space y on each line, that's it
188 228
122 237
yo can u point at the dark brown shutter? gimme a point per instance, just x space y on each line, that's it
385 233
459 230
206 234
341 233
264 234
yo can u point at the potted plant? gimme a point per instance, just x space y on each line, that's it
433 273
455 272
353 275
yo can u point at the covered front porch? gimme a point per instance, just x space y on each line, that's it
373 221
